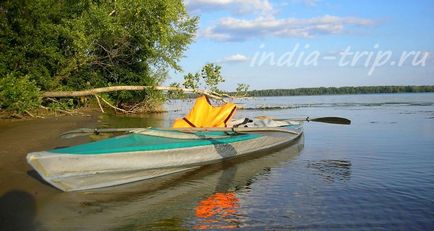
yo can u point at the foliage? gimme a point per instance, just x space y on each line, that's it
18 94
211 74
175 94
208 78
76 45
192 81
341 90
242 89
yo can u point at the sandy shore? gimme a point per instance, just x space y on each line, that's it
17 138
20 189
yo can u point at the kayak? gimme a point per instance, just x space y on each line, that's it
146 200
148 153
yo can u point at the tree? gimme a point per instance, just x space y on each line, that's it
75 45
210 75
18 94
242 89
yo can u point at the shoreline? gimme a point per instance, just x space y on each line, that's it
7 117
43 114
23 136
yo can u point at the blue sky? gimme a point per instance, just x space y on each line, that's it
387 42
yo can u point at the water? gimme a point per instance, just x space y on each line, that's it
376 174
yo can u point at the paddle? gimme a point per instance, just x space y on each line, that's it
90 131
330 120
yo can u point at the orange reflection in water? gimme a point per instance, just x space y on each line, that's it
218 211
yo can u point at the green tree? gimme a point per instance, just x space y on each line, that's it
242 89
18 94
211 74
209 78
192 80
82 44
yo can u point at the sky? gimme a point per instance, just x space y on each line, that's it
313 43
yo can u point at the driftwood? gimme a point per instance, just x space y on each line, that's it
99 103
95 91
114 107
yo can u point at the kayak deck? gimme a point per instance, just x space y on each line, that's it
139 142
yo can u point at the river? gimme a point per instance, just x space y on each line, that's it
376 174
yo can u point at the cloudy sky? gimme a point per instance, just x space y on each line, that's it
311 43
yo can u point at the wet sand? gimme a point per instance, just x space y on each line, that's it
17 138
21 189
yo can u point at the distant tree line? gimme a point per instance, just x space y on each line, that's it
341 90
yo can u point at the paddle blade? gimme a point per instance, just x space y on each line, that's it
73 135
330 120
90 131
77 133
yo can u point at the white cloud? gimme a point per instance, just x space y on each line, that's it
236 58
237 6
233 29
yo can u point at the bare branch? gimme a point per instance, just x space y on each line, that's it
95 91
114 107
99 103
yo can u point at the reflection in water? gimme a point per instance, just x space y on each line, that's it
218 211
332 170
221 209
135 120
17 211
203 198
107 120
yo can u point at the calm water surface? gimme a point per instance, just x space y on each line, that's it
377 174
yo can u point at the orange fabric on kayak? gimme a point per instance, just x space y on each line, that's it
204 115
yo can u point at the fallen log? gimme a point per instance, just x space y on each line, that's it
96 91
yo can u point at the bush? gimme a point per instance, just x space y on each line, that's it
18 94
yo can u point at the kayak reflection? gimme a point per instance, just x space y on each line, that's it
218 211
203 199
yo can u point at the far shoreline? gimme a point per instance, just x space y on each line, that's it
398 93
360 90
